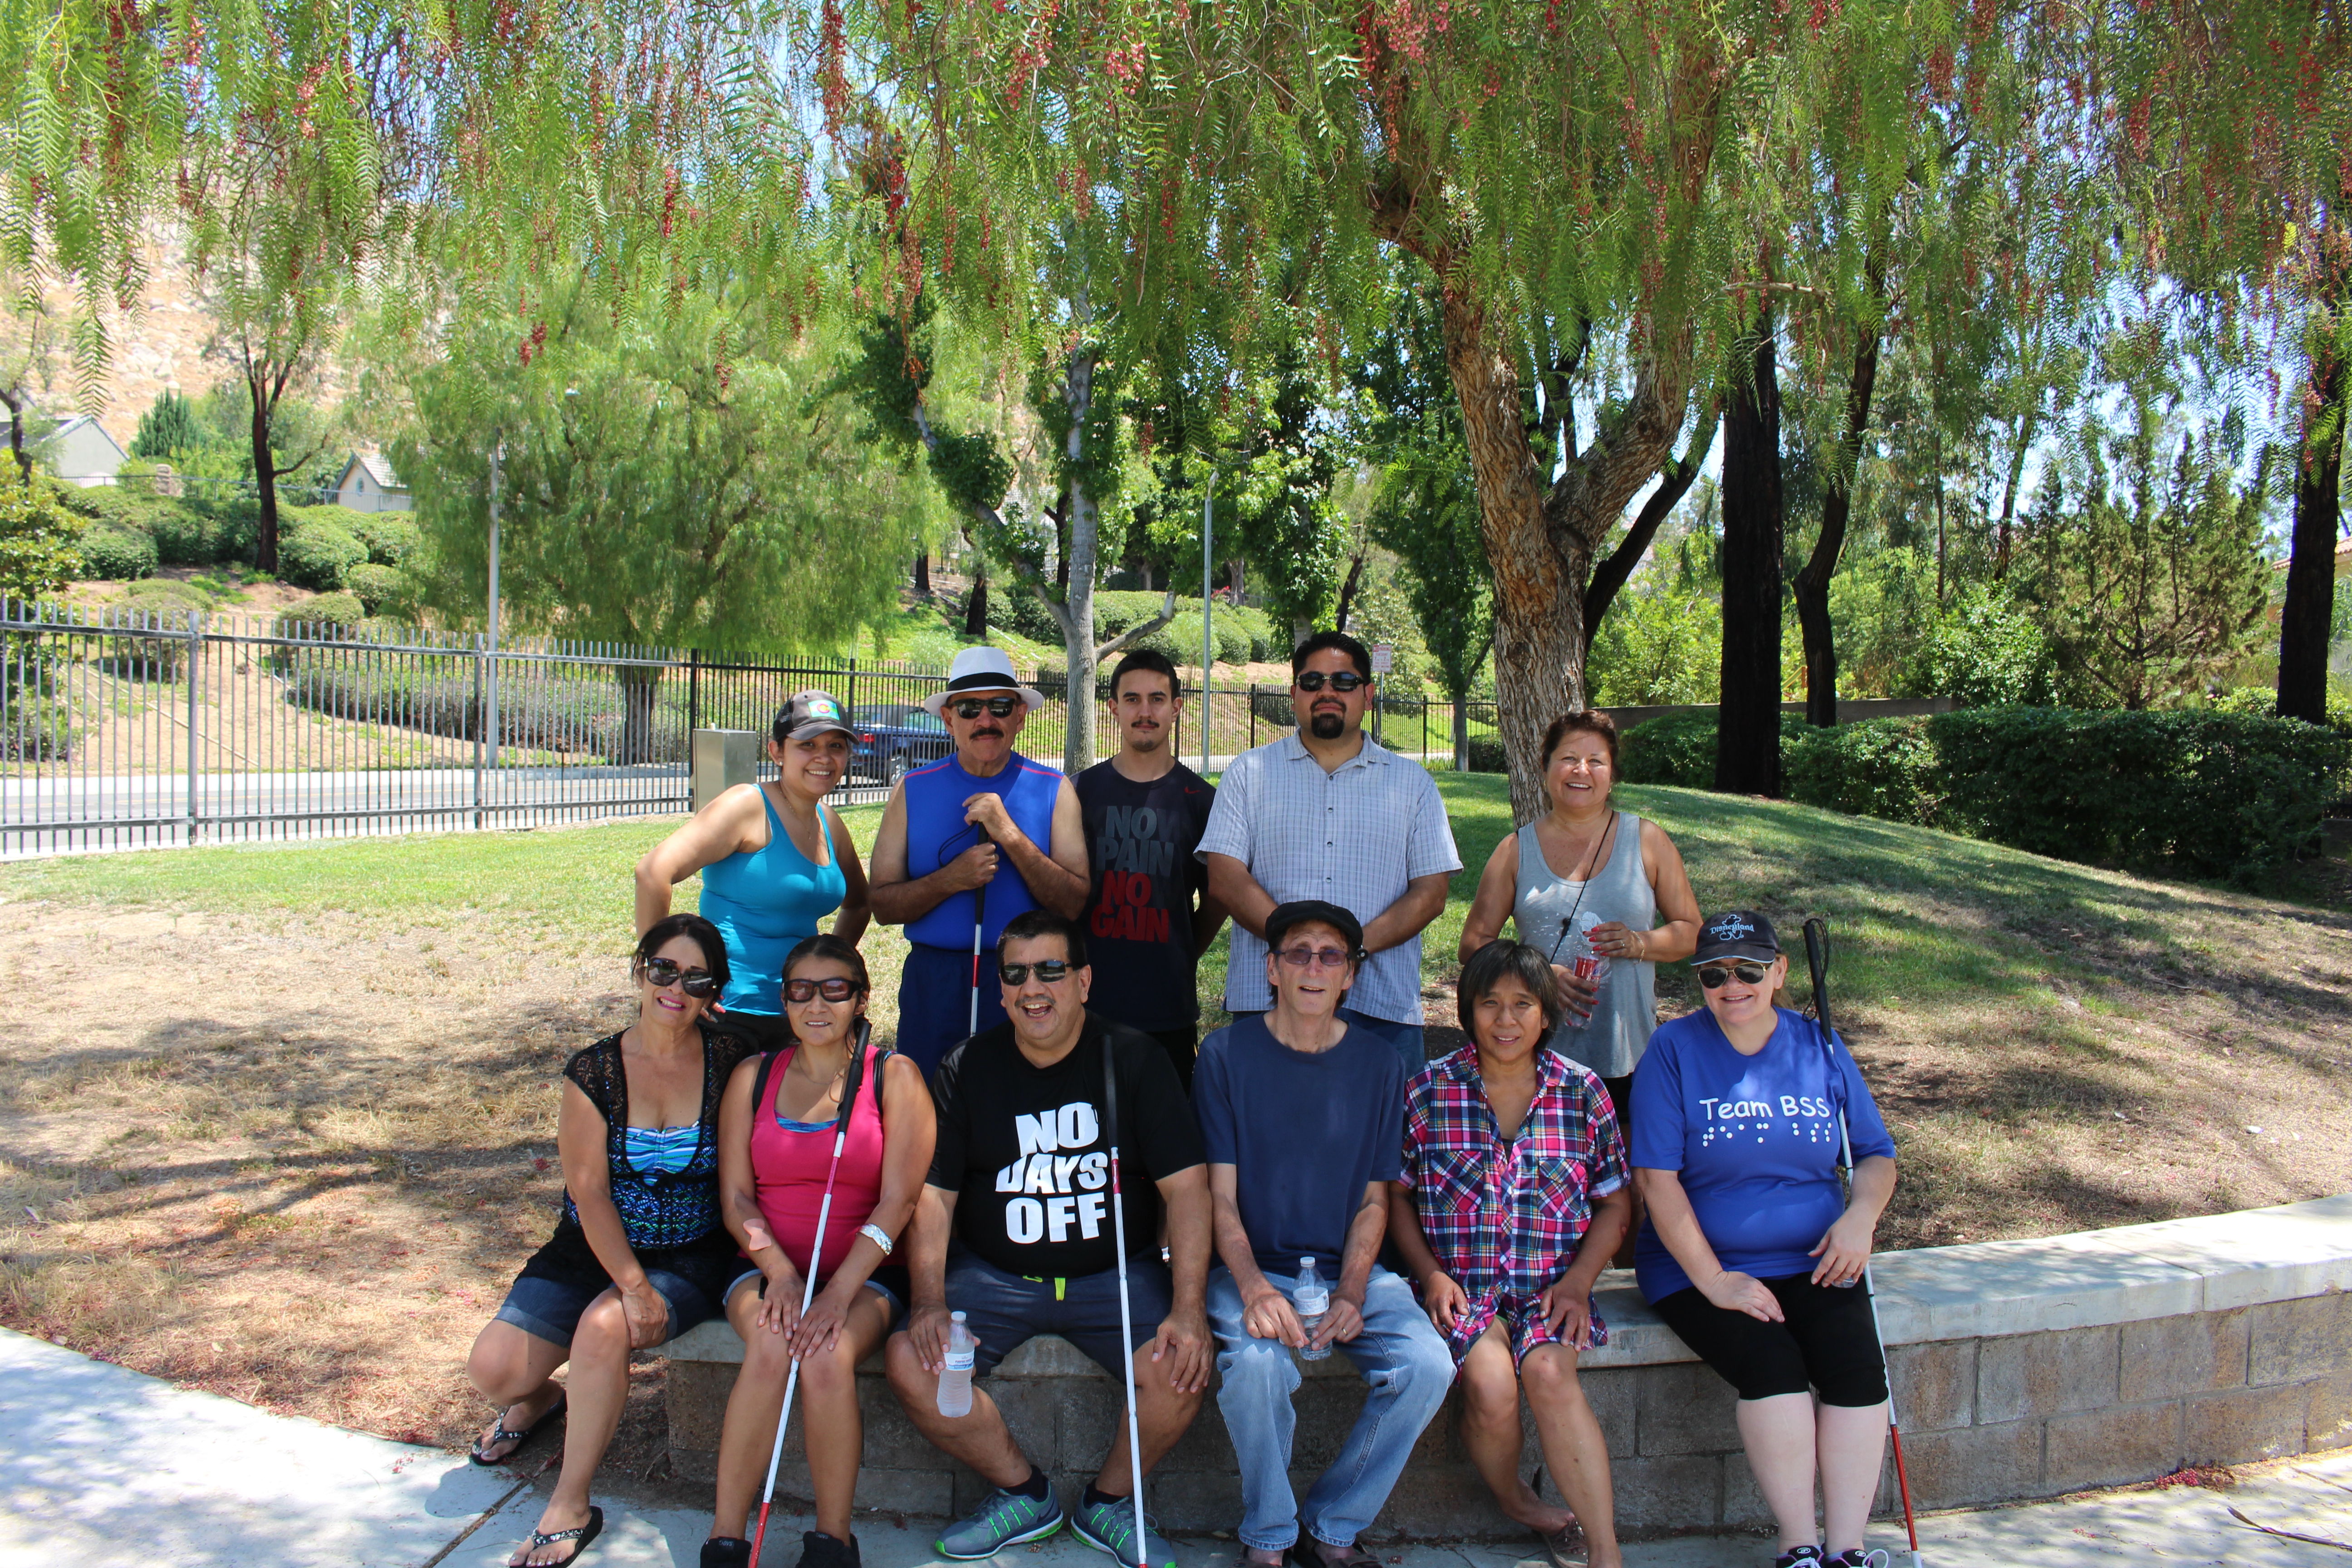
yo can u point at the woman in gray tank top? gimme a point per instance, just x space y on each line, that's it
1586 868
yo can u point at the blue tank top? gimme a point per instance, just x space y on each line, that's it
937 833
763 903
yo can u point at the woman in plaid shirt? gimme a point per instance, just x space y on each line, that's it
1514 1197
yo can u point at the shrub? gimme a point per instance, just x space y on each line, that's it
1486 755
388 536
341 612
117 554
1264 644
2216 793
1879 767
316 555
1679 748
39 538
1014 608
202 531
154 605
1983 651
382 589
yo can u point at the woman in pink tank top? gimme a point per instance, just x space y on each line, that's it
776 1129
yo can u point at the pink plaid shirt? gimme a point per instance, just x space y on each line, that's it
1504 1217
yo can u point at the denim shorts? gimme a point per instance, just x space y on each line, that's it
549 1308
892 1298
1007 1311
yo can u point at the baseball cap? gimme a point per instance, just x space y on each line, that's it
809 714
1736 933
1300 911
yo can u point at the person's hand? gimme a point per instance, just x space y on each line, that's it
975 867
648 1313
986 811
1342 1321
779 1301
1843 1251
1568 1312
1737 1292
1441 1298
1183 1342
1579 996
1267 1315
927 1328
1616 939
820 1327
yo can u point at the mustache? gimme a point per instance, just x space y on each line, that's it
976 734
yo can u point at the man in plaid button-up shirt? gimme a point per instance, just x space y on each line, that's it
1324 812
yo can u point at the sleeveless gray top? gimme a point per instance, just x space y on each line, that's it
1612 1041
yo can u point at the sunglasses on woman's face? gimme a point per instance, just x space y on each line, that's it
998 707
834 988
1050 971
1313 679
661 972
1716 976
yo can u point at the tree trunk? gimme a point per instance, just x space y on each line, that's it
975 604
1062 535
2311 586
1811 587
1747 728
1078 524
265 477
923 574
15 402
639 741
1461 734
1348 592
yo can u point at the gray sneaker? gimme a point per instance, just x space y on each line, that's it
1003 1518
1110 1526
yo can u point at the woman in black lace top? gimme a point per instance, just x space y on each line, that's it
640 1255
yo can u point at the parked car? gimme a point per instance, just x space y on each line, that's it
893 737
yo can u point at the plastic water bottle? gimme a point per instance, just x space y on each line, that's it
1591 964
1310 1302
955 1381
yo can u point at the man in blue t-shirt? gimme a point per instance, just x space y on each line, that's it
1302 1116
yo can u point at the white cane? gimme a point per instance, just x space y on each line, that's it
1126 1319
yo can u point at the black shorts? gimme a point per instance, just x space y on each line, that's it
1621 1100
1826 1341
1181 1045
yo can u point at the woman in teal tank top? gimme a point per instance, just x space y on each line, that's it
775 860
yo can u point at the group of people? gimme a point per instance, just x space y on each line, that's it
1047 1151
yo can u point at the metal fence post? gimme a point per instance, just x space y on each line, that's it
477 728
849 700
1252 708
195 653
693 694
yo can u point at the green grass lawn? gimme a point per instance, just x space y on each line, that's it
2060 1046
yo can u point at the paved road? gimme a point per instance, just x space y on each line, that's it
103 1468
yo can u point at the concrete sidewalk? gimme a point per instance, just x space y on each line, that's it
101 1467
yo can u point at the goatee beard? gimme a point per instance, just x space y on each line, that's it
1326 726
1147 742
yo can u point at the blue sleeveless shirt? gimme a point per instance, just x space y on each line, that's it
763 903
937 833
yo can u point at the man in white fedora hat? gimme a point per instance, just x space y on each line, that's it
947 834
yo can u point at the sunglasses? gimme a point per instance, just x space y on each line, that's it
833 989
1313 679
998 707
1315 957
1716 976
1050 971
664 972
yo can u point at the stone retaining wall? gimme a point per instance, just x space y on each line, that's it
2020 1369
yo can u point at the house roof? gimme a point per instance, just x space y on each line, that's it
373 464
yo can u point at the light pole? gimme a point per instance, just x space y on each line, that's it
498 451
1208 642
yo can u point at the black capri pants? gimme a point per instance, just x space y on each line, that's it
1826 1341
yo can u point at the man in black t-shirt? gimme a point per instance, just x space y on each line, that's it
1014 1230
1149 915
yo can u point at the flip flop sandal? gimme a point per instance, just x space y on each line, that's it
505 1434
582 1534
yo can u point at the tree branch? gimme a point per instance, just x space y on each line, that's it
1675 481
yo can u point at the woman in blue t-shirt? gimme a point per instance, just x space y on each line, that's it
1752 1253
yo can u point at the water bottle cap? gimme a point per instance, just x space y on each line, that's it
955 1317
1306 1263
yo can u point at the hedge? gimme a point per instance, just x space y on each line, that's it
380 588
1876 767
117 554
387 536
315 554
1679 748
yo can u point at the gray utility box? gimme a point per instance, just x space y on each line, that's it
723 759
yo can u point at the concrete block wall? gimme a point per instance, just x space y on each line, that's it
2020 1369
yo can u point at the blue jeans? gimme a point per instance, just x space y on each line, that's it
1401 1356
1405 1037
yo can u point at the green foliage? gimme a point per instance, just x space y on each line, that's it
201 531
389 536
2213 794
333 614
1679 748
315 554
1985 650
1878 767
1485 755
117 554
1657 646
169 427
38 538
382 589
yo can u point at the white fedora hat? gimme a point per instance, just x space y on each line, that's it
981 668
